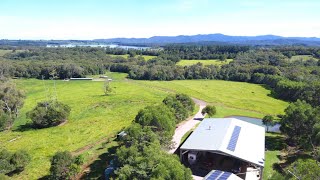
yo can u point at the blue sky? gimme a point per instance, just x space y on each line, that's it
92 19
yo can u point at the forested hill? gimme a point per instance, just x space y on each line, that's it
219 38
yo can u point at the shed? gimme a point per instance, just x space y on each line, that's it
229 137
88 79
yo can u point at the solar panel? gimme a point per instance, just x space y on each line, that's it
234 138
225 176
215 175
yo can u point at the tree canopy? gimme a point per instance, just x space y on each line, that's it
63 166
181 105
11 100
267 121
47 114
13 162
210 110
300 122
144 158
159 117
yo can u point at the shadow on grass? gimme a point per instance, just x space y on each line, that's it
272 93
100 164
275 143
25 127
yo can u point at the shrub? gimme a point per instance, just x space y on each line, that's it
306 169
210 110
186 101
47 114
20 159
180 112
13 162
4 120
63 166
159 117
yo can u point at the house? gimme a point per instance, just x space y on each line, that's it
228 145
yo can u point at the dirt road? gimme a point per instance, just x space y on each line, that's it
185 126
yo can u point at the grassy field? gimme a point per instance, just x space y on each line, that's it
302 58
235 98
3 52
95 117
274 144
146 57
204 62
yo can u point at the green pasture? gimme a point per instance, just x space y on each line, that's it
217 62
3 52
146 57
235 98
95 116
302 58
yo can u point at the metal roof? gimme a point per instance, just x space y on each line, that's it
215 135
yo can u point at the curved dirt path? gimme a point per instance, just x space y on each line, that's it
187 125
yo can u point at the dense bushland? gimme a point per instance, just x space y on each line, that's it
142 156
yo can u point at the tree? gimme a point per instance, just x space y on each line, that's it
180 112
63 166
305 169
186 101
141 135
299 124
5 165
47 114
160 118
13 162
4 120
210 110
11 100
147 161
267 121
107 87
20 159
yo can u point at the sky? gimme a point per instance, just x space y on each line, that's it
100 19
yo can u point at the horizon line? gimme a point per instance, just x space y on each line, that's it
50 39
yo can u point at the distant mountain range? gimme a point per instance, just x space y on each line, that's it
218 39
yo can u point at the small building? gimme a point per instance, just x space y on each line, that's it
88 79
227 145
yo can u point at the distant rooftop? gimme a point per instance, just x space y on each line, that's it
229 136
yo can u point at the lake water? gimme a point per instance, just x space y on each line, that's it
274 128
100 45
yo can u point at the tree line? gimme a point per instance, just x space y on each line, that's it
290 80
